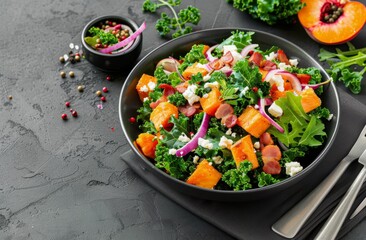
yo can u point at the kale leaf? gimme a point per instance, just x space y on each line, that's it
238 178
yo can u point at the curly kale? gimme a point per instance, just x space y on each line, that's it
270 11
178 24
238 178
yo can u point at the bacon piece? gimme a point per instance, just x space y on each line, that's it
266 139
272 167
223 110
271 153
268 65
168 89
188 110
281 56
227 58
256 58
229 120
182 87
216 64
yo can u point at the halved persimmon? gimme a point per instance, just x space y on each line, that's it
332 21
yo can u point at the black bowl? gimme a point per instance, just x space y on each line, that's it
116 62
130 102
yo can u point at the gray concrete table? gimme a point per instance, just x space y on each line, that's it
65 179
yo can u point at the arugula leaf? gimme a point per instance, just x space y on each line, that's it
238 38
299 128
343 66
177 24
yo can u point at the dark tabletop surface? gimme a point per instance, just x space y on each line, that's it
65 179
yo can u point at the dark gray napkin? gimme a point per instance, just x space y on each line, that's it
253 220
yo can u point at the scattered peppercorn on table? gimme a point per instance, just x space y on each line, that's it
62 176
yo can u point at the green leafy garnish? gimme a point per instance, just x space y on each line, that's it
299 128
105 37
343 64
238 178
270 11
265 179
238 38
176 24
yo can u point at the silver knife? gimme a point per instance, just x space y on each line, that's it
359 209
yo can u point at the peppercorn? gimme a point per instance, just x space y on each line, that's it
132 120
62 59
105 89
98 93
63 74
98 40
77 58
10 97
71 74
81 88
74 113
114 24
103 99
72 59
67 104
64 116
108 78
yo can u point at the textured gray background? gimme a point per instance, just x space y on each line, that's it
65 179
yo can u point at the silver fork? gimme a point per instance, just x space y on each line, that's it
292 221
331 228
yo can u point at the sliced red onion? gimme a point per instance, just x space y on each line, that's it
118 26
123 43
295 82
315 86
247 49
193 143
208 53
169 64
271 73
262 104
124 48
227 70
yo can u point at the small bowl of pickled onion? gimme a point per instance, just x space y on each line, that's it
112 43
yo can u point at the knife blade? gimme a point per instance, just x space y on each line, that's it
359 209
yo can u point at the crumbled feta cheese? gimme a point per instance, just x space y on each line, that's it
211 84
206 77
151 85
190 94
271 56
144 89
228 132
196 159
217 159
275 110
256 106
257 145
278 80
244 91
229 48
172 151
200 65
293 168
183 138
233 134
283 66
210 163
205 143
225 142
293 62
330 117
205 95
145 99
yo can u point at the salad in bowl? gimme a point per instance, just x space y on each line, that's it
232 115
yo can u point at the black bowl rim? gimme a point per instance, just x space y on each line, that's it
130 22
229 193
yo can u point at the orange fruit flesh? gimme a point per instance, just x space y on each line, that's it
345 27
342 30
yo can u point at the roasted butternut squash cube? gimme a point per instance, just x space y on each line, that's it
145 85
205 175
253 122
147 143
212 102
244 150
309 100
160 116
193 70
